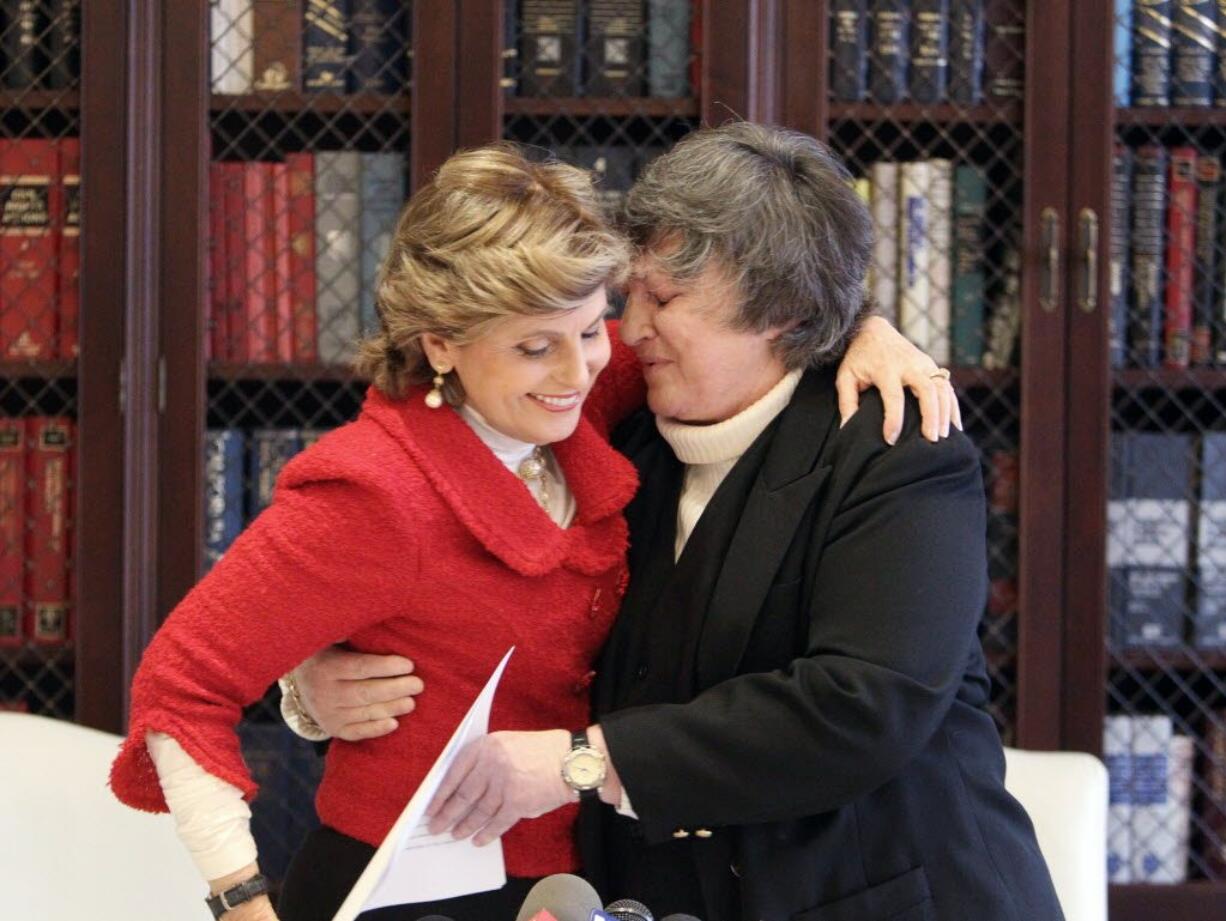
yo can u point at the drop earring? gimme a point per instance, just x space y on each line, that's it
434 399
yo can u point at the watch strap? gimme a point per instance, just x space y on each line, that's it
245 891
578 739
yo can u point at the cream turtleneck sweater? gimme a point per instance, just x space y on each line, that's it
709 452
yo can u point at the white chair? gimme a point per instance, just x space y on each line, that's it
1066 796
70 850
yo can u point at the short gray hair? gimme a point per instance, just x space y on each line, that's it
778 210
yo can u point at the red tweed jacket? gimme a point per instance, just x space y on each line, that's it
402 533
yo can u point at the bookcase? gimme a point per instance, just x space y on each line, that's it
255 150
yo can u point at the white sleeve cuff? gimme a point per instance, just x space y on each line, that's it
298 722
212 818
623 806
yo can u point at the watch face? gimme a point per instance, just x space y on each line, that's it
584 769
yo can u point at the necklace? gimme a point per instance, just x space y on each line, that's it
532 468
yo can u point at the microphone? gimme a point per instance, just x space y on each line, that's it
629 910
678 918
435 918
562 897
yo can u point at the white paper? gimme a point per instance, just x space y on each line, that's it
411 865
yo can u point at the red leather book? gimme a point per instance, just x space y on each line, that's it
1180 258
233 214
28 172
49 483
66 218
259 313
283 293
216 341
12 522
301 168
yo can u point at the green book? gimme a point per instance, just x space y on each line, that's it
970 215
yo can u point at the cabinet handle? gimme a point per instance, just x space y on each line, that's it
1088 299
1049 289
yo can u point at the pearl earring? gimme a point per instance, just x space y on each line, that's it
434 399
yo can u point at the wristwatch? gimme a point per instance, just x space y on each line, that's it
584 768
245 891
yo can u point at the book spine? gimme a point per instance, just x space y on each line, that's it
969 288
615 48
966 37
1005 323
1004 52
1151 745
259 310
1193 52
1205 281
941 272
929 75
378 46
283 282
915 253
1117 756
63 44
1180 256
223 496
21 48
338 235
889 50
232 24
302 255
1117 319
849 50
234 206
271 450
1122 71
1151 52
1148 537
1213 818
276 25
67 216
510 47
12 525
1148 201
1175 829
1209 620
325 45
549 48
49 479
382 197
884 208
668 48
29 176
1219 60
215 322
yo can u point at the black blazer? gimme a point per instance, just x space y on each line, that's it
806 684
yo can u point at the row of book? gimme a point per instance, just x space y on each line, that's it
929 273
1168 258
295 249
1154 782
40 248
1169 53
926 51
37 461
337 46
40 44
240 472
1166 540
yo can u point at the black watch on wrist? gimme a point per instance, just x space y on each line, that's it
245 891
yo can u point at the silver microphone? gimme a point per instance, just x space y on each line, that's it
629 910
563 895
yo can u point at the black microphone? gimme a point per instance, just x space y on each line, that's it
566 897
629 910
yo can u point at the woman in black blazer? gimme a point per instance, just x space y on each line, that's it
791 712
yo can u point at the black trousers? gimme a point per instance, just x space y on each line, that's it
329 863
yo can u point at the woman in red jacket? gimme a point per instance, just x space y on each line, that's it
474 505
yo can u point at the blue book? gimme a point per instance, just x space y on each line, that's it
1151 52
382 198
1147 248
1193 52
849 50
270 451
1121 192
668 48
929 75
1117 756
969 219
1209 622
223 492
1148 537
966 49
889 50
378 46
1123 53
325 45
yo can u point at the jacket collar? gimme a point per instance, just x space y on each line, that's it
492 503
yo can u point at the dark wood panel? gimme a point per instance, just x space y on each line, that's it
585 106
34 100
289 103
1160 660
804 82
726 83
481 93
435 99
39 370
226 371
1138 379
1189 902
908 113
1171 116
983 378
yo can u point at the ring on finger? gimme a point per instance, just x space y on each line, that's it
942 373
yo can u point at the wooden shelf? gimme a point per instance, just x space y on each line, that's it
68 100
1158 659
1133 379
1171 117
983 378
44 370
304 373
35 656
1199 901
1005 113
288 103
615 107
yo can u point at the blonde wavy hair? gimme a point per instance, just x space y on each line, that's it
491 235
